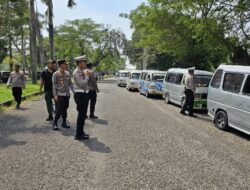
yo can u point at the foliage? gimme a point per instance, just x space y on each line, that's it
203 33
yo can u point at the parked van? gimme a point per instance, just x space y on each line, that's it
122 77
174 87
4 76
229 98
133 80
151 82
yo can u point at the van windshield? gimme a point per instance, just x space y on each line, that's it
202 80
135 76
158 77
123 74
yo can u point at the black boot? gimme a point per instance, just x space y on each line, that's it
64 124
92 116
50 118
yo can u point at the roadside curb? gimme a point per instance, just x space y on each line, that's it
10 102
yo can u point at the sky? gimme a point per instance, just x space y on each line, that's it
101 11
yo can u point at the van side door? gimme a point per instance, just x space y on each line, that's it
178 89
232 86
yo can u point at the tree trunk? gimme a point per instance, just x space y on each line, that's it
51 30
33 54
10 38
23 50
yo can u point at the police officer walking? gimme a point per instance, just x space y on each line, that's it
81 79
61 91
190 87
46 82
17 82
93 90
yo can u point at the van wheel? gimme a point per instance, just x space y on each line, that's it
221 120
167 98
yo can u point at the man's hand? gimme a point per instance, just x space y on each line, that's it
8 86
24 87
87 73
56 98
97 91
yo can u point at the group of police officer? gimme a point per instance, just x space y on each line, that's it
57 85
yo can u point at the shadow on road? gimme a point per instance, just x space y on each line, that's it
94 145
99 121
11 125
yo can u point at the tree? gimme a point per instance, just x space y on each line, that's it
33 52
203 33
49 13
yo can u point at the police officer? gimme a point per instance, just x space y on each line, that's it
61 91
93 90
190 87
81 78
17 82
46 82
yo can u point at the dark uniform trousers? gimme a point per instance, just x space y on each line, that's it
61 108
17 93
49 101
92 99
82 101
189 103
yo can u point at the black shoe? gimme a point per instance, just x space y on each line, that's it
85 135
192 115
183 112
93 117
64 125
18 107
82 138
55 127
50 118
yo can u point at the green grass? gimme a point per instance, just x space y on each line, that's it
6 94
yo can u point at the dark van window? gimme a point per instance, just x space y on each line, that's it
217 79
246 89
178 79
170 78
233 82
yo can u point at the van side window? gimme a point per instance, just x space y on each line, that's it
178 78
144 76
217 79
233 82
246 89
170 77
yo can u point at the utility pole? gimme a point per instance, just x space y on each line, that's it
9 37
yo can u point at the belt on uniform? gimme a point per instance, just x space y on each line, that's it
82 91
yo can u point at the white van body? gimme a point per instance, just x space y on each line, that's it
133 80
122 77
174 87
229 97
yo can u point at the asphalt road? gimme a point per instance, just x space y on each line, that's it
137 143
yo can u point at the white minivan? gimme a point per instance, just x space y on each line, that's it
229 97
174 87
133 80
122 77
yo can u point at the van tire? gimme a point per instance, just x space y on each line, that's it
167 99
221 120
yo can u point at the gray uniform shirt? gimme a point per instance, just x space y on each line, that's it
190 82
16 79
80 81
62 83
